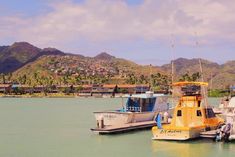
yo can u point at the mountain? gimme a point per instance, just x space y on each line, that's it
20 53
218 76
183 65
225 76
104 56
3 47
33 65
51 51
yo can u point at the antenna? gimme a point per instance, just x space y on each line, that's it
141 86
172 59
150 78
202 77
172 68
211 82
200 64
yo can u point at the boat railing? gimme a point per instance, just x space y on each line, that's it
133 109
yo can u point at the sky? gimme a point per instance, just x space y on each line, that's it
145 31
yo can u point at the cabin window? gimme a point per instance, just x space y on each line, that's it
144 102
199 113
137 100
199 103
179 113
147 105
209 113
147 101
143 105
152 100
131 102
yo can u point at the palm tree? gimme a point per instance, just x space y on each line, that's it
3 78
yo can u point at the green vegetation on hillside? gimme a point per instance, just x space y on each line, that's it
26 64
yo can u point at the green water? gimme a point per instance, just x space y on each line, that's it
37 127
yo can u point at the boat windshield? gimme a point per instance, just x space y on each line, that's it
191 90
209 113
140 104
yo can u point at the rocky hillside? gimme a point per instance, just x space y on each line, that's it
218 76
20 53
77 69
32 65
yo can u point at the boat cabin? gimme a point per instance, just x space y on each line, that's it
148 102
192 109
135 104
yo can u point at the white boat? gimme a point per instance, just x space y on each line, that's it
227 132
138 108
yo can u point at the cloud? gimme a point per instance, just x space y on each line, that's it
105 21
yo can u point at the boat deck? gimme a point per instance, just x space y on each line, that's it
217 110
124 127
209 134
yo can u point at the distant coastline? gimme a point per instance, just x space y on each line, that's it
38 96
68 91
87 90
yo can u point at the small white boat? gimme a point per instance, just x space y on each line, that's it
227 132
139 108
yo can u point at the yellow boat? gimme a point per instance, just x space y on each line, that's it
191 115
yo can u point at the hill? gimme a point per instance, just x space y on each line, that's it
218 76
20 53
33 66
104 56
76 69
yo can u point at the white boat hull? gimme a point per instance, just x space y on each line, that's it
119 118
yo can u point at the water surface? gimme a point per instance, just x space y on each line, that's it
60 127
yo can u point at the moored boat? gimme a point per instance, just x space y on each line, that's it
139 108
227 131
192 114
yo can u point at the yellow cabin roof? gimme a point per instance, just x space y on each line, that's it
190 83
190 98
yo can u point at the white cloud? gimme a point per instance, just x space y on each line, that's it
107 20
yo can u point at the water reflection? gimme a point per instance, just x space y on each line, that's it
168 148
198 148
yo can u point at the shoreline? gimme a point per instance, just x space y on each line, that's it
64 96
38 96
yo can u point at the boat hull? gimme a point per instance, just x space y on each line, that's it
176 134
119 118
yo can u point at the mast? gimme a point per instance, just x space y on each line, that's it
200 64
172 61
202 78
211 83
172 68
141 86
172 71
150 78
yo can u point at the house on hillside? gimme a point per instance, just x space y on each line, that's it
38 89
126 88
142 88
24 88
84 90
5 88
109 88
